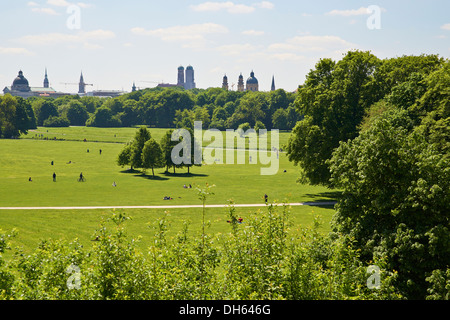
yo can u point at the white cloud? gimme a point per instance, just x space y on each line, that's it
229 6
265 5
64 3
287 57
15 51
32 4
237 49
446 26
352 12
48 11
253 33
193 32
84 5
56 38
311 44
58 3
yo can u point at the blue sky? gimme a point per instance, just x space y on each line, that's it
117 42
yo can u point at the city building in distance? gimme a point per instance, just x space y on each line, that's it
251 84
21 88
185 79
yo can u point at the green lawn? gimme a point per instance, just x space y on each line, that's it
31 157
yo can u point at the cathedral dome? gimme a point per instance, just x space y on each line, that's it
20 80
252 79
20 83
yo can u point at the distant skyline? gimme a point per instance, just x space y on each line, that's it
116 43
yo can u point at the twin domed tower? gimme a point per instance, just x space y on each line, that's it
252 83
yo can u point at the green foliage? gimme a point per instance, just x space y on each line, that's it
137 146
103 118
56 122
16 117
44 109
152 155
333 100
258 259
77 113
395 199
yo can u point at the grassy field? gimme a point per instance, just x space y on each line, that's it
32 157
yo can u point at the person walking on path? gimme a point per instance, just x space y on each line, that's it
54 177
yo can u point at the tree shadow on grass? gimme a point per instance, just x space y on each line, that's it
140 174
324 196
184 175
151 177
324 199
130 171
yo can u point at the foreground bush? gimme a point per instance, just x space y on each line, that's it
261 258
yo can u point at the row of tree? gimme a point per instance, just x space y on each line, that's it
379 131
170 108
144 152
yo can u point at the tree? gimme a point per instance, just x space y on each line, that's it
333 100
141 137
45 109
103 118
167 146
77 113
279 119
56 122
395 200
152 156
124 157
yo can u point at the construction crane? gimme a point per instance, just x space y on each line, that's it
76 84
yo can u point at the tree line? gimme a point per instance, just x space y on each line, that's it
167 108
378 130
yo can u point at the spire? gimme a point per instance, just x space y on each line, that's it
46 83
82 85
134 87
273 83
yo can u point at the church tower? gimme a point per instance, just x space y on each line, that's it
190 78
241 87
180 82
225 83
46 83
273 83
133 89
82 85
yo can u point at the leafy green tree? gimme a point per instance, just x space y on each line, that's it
103 118
45 109
279 119
141 137
395 200
333 100
77 113
184 119
167 146
124 157
130 115
57 122
152 156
